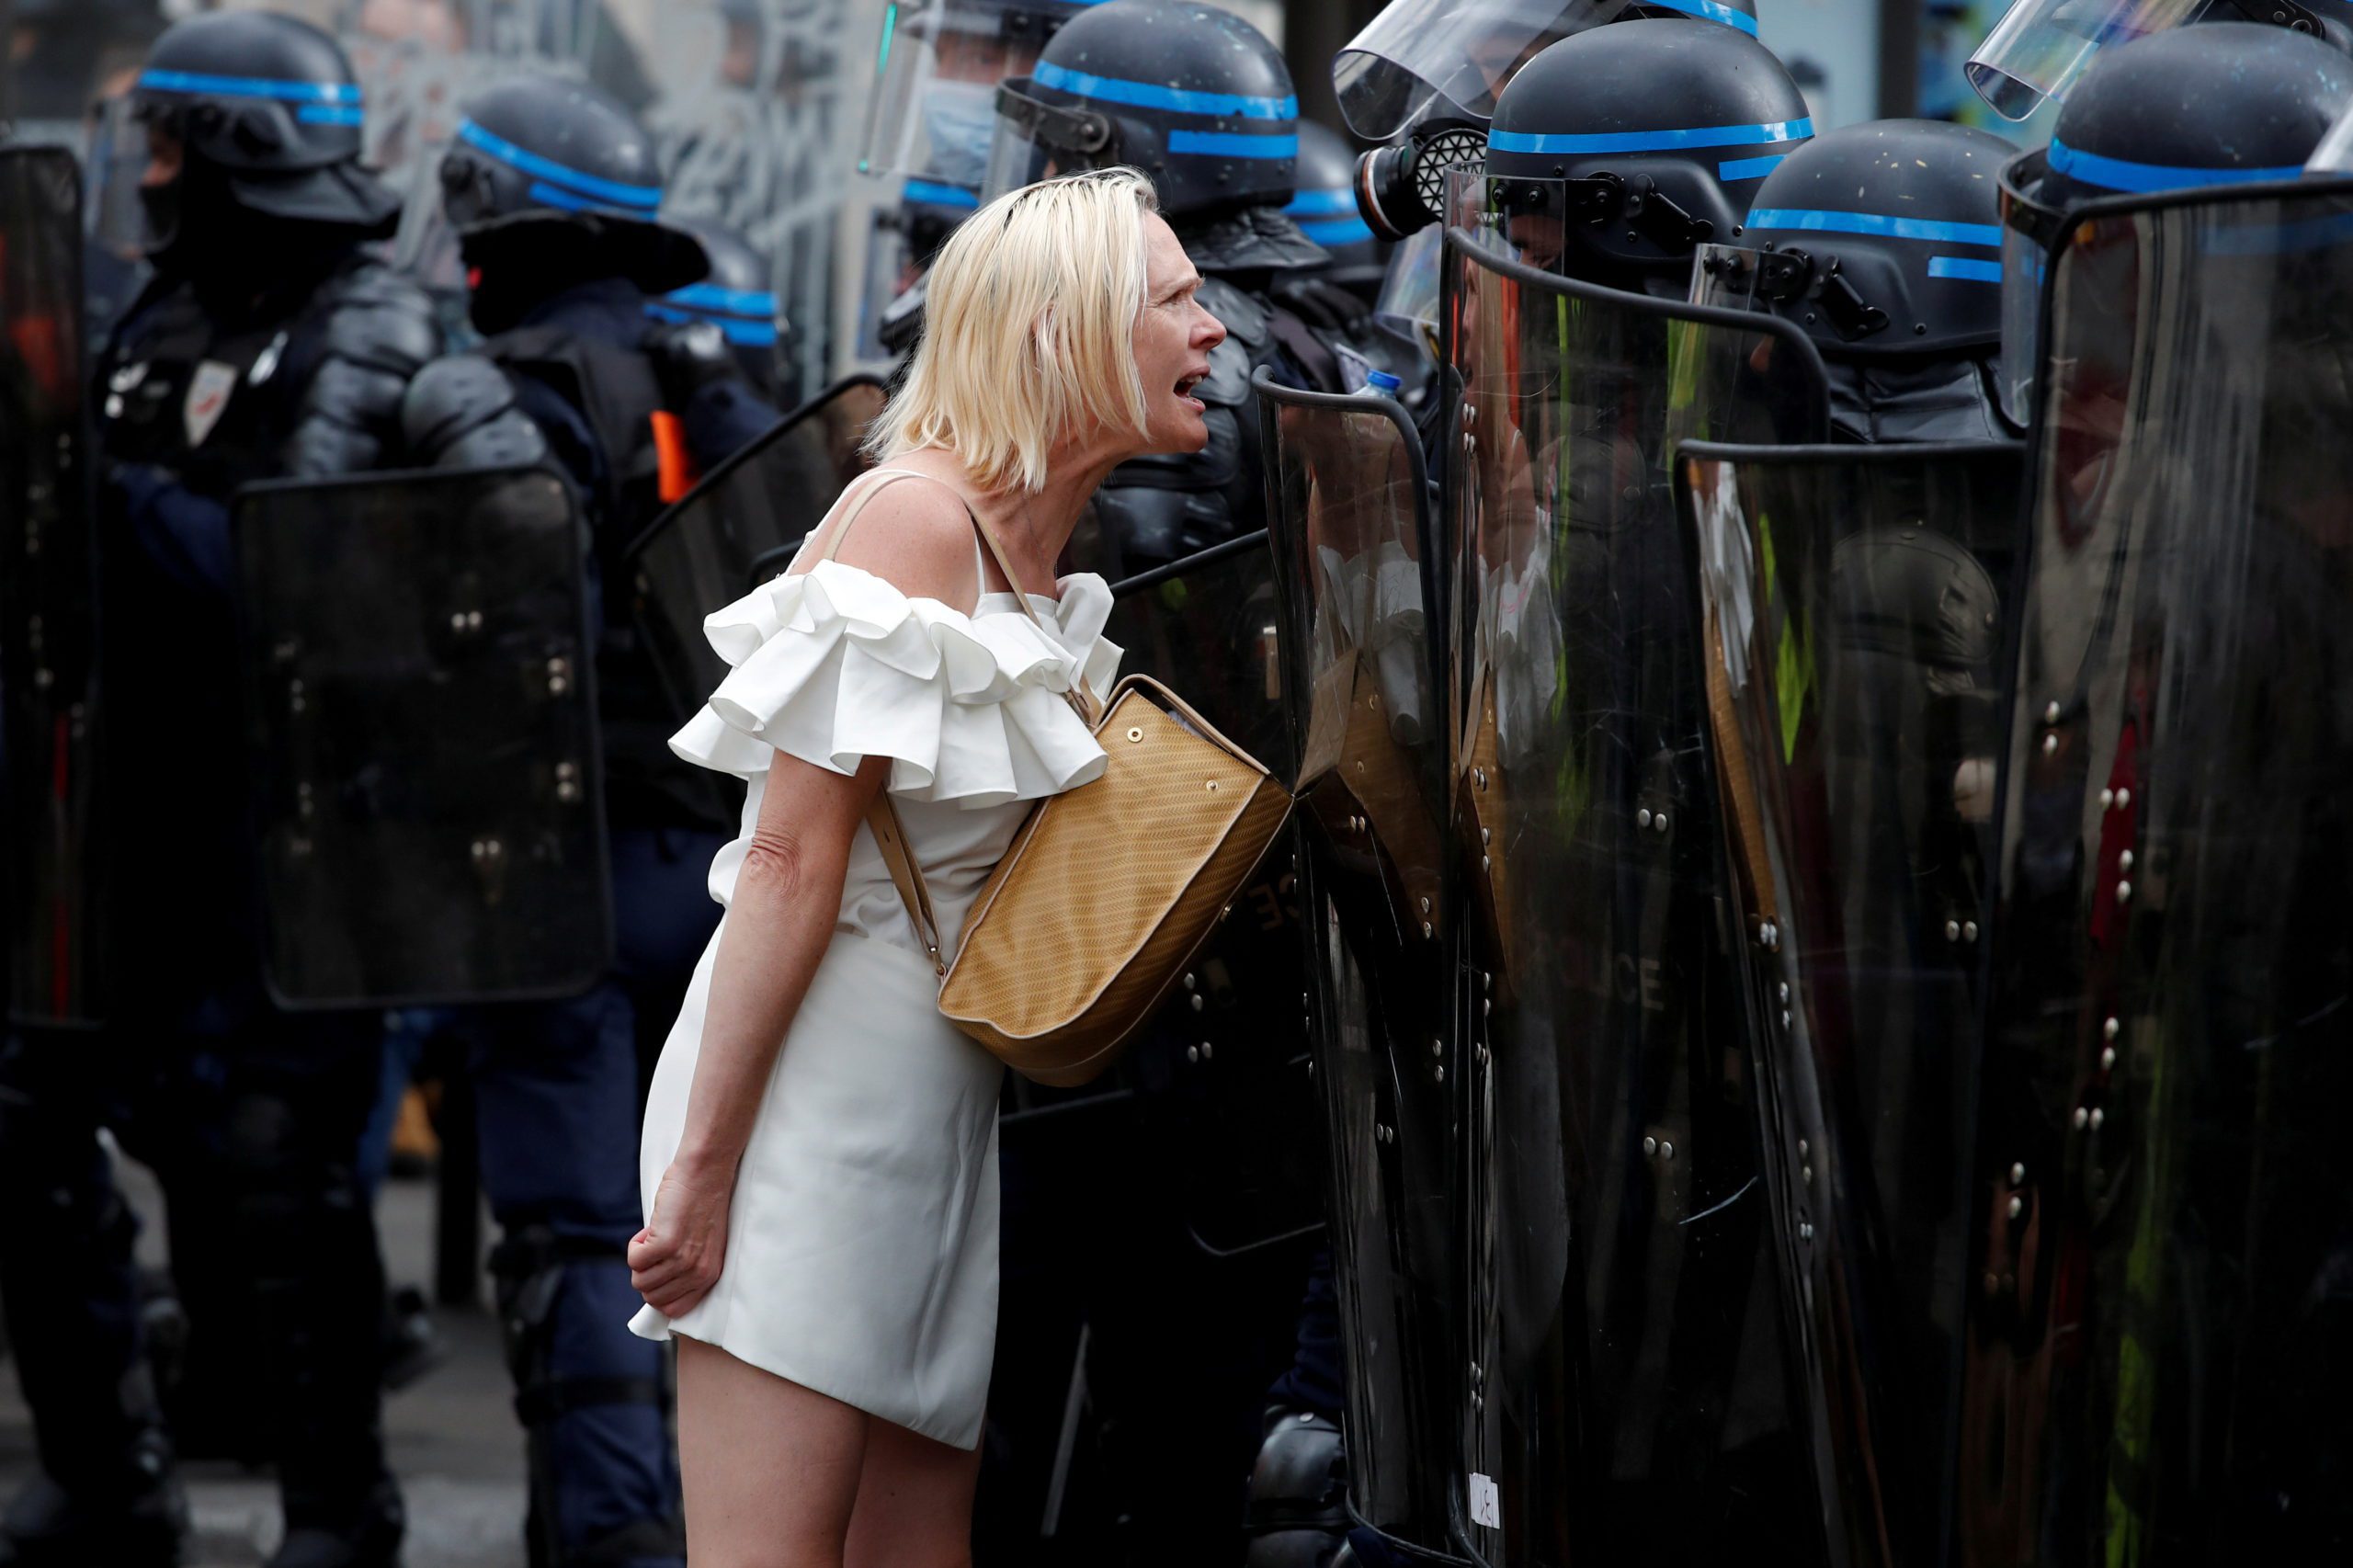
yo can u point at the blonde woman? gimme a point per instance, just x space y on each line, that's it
819 1162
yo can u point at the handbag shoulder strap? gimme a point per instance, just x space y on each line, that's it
891 838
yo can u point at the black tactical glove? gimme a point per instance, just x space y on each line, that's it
1321 304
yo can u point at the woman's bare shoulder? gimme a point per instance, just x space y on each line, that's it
915 535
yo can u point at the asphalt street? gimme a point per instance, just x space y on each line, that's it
452 1433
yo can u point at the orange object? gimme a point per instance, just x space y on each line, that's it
676 471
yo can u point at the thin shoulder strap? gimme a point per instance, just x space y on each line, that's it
980 528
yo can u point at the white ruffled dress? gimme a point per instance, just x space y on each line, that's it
862 1243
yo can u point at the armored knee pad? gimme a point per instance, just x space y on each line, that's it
1297 1516
594 1401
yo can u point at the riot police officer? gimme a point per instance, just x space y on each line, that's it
555 197
1618 151
1200 101
930 120
1882 243
269 344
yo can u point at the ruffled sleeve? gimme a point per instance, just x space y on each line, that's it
835 666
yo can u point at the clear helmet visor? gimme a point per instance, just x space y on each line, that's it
119 155
1409 285
2334 153
1035 139
2040 47
2026 267
1447 57
1530 221
1726 277
934 109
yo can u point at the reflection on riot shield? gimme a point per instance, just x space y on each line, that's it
48 639
1855 603
428 804
1348 521
1625 1366
1222 1067
2160 1286
739 528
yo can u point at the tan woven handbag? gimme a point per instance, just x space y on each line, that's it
1107 891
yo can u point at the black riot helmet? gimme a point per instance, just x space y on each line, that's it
1883 242
268 115
2220 104
1194 97
737 296
2041 48
554 167
1623 149
1423 76
1325 207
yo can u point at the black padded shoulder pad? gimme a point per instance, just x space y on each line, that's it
1243 316
461 412
371 330
378 317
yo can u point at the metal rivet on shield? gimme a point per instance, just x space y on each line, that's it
1438 1048
1193 982
1952 930
2123 799
1427 930
1803 1148
1642 818
1208 1049
1441 1074
2107 800
1426 906
2098 1116
1666 1150
2017 1206
1200 1001
567 781
1192 1053
1659 822
1806 1175
1969 930
1486 863
2018 1174
2124 893
1805 1229
1486 835
2051 713
2124 860
2107 1059
2111 1028
1650 1146
2083 1117
2050 745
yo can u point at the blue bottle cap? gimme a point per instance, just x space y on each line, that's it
1381 380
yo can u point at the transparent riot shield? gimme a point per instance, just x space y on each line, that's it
1855 601
739 527
1626 1365
54 876
1348 516
1221 1071
429 802
2158 1350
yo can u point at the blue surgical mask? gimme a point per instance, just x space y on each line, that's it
960 120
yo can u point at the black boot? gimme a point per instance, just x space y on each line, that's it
47 1527
373 1539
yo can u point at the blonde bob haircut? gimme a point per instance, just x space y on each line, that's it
1029 329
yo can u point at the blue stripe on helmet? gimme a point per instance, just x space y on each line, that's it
1749 168
1229 144
1876 223
714 296
1964 270
275 87
1708 10
1337 231
2123 173
331 114
575 183
1151 94
934 194
750 334
1323 203
1652 141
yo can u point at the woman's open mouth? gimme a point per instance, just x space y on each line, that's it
1185 385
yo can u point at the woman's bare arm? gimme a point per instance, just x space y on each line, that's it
788 897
